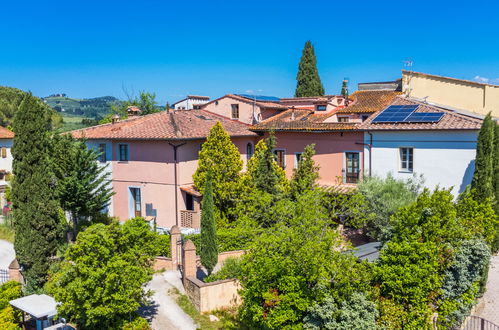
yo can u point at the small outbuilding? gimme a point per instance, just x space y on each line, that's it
41 308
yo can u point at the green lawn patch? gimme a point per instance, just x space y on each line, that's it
7 232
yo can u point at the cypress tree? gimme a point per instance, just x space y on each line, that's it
308 82
496 168
305 174
484 162
208 249
36 209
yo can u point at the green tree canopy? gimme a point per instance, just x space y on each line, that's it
483 178
10 100
100 283
305 174
220 156
146 102
308 82
291 266
383 197
208 250
36 208
83 185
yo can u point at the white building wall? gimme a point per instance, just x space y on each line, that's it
444 158
94 144
189 104
6 163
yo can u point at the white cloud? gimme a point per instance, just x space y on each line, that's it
481 79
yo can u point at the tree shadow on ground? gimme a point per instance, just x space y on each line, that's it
149 310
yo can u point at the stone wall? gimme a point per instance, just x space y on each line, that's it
162 263
208 297
230 254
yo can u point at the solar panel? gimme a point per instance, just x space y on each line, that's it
395 113
262 98
424 117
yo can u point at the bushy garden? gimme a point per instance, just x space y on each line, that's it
297 272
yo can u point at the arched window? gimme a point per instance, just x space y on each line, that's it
249 150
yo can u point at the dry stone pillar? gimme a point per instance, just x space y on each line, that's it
175 237
189 259
15 272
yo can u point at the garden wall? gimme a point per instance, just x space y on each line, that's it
208 297
162 263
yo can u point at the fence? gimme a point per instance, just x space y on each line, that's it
478 323
4 275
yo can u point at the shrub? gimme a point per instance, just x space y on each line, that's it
9 318
101 281
163 245
138 323
232 268
356 312
8 291
384 197
461 282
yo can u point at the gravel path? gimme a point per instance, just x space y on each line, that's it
165 314
7 254
488 307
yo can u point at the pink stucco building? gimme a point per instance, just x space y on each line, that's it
335 131
245 108
152 159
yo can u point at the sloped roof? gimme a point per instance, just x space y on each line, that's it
6 133
301 120
261 104
451 120
165 125
369 101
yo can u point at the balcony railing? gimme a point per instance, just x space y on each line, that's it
189 219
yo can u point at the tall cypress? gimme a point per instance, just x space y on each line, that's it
496 168
308 82
208 249
36 216
484 162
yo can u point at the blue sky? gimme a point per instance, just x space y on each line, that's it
96 48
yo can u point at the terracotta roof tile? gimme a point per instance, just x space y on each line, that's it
6 133
369 101
301 120
450 121
165 125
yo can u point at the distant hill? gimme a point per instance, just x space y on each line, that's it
10 99
96 107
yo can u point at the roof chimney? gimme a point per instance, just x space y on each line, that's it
133 111
115 118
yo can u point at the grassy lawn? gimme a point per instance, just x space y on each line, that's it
6 233
72 122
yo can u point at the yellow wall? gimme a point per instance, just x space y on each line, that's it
461 94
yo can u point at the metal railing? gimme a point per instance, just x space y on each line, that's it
4 275
478 323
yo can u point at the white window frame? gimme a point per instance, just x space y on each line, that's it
119 152
232 111
344 117
280 149
401 163
296 158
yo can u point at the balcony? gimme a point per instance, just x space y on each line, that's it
189 219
